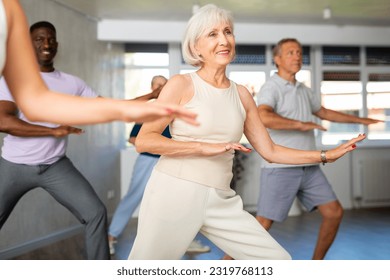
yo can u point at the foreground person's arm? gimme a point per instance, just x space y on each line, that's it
39 104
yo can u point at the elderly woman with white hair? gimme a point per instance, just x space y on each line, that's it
189 189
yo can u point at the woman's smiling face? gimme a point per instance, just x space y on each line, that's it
217 45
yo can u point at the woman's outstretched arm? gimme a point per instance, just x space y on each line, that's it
40 104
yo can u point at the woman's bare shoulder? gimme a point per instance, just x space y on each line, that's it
179 87
182 79
245 96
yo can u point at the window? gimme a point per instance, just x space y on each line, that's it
140 69
340 56
378 105
356 86
252 80
378 56
249 54
142 63
341 91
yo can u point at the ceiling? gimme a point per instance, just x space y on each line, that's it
344 12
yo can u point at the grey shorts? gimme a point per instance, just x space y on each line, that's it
280 186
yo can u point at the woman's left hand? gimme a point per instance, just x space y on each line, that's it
334 154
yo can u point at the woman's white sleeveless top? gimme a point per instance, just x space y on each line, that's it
221 116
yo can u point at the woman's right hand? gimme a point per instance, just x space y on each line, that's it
209 149
238 147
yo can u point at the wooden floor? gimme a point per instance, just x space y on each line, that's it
364 235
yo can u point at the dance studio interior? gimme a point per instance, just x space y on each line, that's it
118 46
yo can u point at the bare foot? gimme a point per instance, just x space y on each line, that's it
227 258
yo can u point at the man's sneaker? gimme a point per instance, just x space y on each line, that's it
197 247
111 243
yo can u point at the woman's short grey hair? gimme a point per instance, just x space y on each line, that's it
206 17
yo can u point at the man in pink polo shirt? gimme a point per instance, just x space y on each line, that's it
34 154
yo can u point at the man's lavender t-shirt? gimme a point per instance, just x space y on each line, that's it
48 149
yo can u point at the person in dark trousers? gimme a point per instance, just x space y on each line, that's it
34 154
